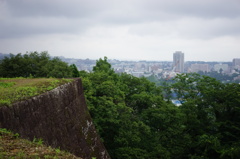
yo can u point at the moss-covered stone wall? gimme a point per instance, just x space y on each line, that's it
60 118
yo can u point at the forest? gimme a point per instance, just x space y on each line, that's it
137 120
36 65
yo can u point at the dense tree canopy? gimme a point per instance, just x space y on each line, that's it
135 121
213 115
36 64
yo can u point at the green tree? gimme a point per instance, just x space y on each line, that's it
212 113
57 68
119 105
75 72
103 65
135 121
167 124
34 64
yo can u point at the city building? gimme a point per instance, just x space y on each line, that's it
221 68
199 67
236 63
178 62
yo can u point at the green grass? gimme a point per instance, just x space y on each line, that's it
17 89
14 147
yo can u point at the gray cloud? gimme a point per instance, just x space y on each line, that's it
204 8
53 8
119 25
23 16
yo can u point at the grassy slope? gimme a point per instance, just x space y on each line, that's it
16 89
11 146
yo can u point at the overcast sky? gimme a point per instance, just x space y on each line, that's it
204 30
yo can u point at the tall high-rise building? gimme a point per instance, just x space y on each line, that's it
178 61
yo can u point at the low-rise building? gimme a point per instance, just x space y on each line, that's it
221 67
199 67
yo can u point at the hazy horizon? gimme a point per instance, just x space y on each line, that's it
129 60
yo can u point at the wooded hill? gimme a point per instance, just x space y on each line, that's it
135 121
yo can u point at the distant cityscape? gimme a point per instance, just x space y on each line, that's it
160 69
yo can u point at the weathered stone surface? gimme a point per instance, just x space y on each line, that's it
60 117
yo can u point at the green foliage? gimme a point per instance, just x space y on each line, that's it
83 73
38 141
57 68
135 121
212 111
5 102
58 150
35 64
21 155
14 147
4 131
6 85
16 135
75 72
123 107
103 66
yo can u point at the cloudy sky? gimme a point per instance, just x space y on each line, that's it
206 30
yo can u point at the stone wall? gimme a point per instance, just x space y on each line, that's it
60 118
